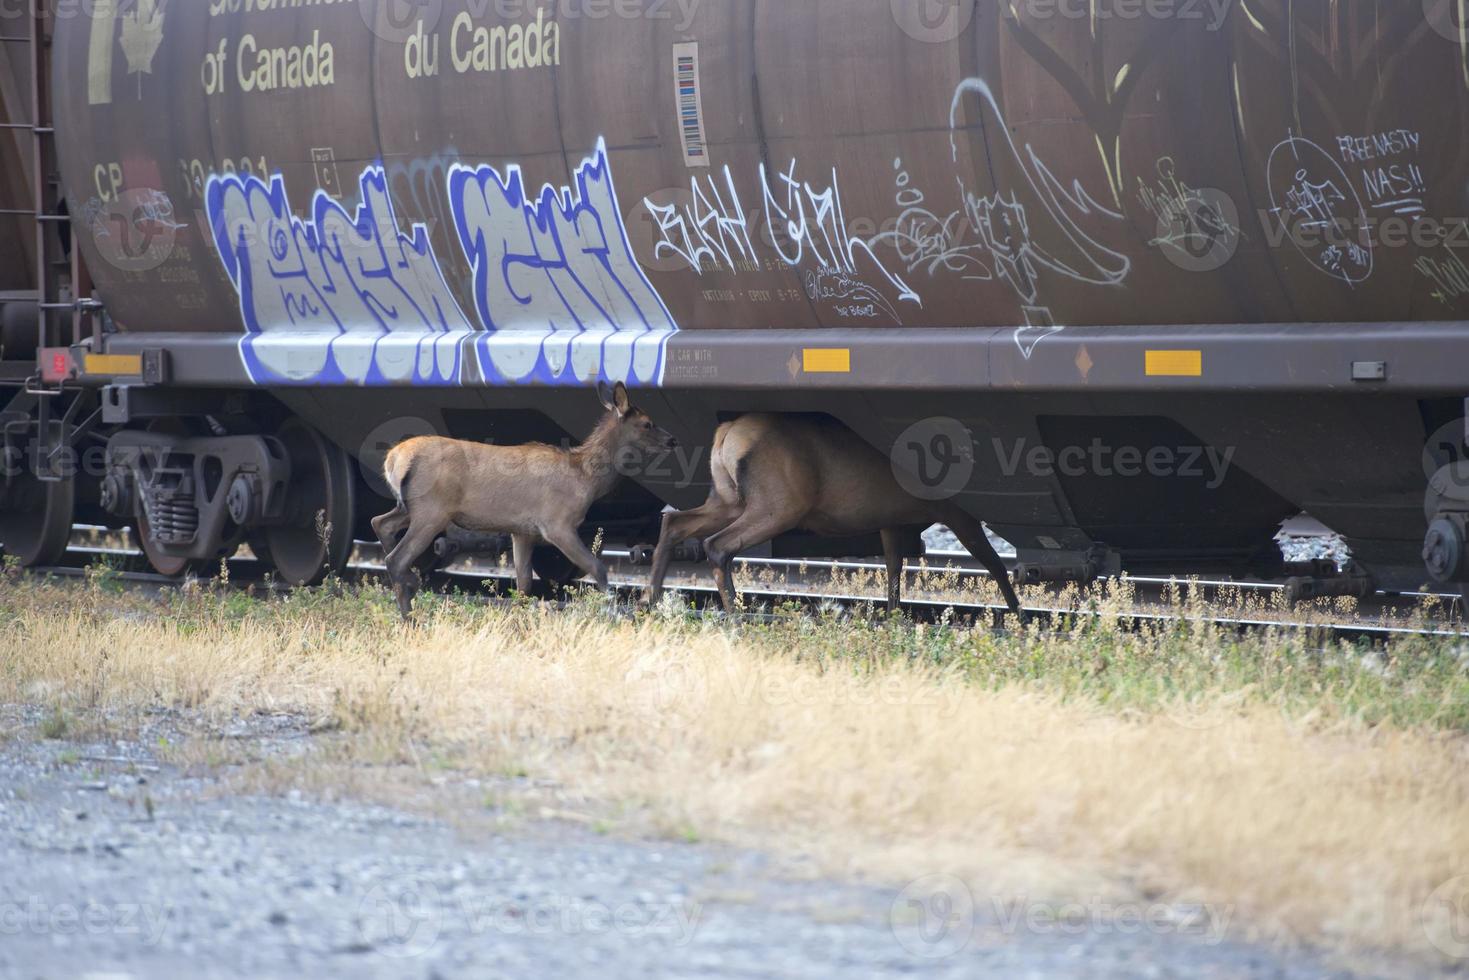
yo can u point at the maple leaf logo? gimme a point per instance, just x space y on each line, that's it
142 32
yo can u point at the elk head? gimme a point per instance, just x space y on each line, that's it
634 429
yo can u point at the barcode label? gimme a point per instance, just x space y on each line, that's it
690 103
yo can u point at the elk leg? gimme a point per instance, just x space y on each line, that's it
388 526
892 554
406 581
724 583
715 515
522 545
570 544
971 535
748 530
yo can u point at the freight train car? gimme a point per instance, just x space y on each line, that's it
1134 282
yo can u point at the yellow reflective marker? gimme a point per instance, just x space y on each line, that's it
1175 364
827 360
121 364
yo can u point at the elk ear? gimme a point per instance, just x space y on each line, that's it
604 393
620 400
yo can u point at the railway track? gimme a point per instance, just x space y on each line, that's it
938 587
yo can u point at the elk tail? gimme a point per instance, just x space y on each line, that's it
397 468
726 473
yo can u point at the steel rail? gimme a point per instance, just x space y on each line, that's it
247 572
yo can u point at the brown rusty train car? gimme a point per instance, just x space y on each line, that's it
1133 281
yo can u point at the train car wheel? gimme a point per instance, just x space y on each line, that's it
35 519
317 537
553 567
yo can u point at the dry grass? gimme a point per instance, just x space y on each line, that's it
1316 795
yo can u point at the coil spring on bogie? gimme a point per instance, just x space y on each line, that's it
168 503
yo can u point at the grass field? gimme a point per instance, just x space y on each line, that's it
1304 792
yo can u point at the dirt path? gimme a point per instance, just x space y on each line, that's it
119 864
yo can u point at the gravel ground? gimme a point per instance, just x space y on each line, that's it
1299 541
118 864
940 538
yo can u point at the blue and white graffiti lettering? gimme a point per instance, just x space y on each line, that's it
349 298
338 298
555 280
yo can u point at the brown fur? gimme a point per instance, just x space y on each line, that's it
534 493
774 474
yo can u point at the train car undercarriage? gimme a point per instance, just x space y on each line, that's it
1143 478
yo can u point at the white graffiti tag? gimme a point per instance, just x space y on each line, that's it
1319 209
805 227
809 226
1016 235
1036 226
712 230
928 243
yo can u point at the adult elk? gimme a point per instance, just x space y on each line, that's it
533 492
774 474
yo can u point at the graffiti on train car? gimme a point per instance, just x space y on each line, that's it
1389 166
712 231
419 185
1447 274
809 225
1319 209
1198 228
805 227
557 265
336 298
1017 235
351 298
1037 225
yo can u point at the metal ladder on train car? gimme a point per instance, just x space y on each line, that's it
61 280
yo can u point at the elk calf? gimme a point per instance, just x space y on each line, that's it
533 493
774 474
